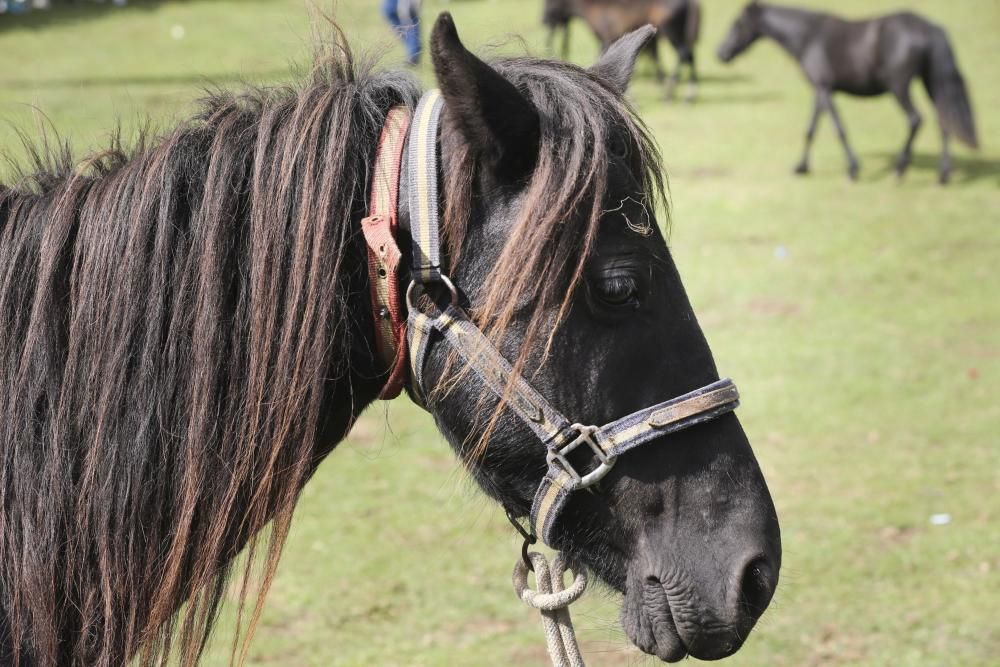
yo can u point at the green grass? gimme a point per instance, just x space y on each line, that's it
868 353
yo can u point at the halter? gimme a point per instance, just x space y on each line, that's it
559 435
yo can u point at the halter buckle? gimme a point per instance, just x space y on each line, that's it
585 435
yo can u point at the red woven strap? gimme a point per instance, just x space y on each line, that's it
379 229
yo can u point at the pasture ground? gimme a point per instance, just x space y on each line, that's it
862 322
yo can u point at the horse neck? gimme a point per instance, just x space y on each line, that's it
349 395
790 27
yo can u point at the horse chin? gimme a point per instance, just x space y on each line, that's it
668 629
649 622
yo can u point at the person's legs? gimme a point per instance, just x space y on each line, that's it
389 12
409 18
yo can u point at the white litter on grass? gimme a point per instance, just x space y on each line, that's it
940 519
178 32
780 252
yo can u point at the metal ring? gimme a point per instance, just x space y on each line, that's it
445 280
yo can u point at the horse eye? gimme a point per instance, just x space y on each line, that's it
617 290
618 146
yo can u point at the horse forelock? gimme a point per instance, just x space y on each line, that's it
174 316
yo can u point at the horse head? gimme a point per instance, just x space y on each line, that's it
744 32
550 188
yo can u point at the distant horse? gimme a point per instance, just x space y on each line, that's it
865 58
189 330
677 21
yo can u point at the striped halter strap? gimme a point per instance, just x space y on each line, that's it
427 322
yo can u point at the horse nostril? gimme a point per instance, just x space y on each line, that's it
756 588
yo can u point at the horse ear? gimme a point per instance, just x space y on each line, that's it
617 63
492 115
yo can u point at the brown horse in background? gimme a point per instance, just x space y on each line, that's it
677 21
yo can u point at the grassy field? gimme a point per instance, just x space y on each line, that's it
862 322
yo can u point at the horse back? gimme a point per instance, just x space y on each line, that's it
907 32
872 56
610 19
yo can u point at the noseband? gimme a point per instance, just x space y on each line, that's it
427 321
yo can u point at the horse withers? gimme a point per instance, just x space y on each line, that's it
189 332
865 58
677 21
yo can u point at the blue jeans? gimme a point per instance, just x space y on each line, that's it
402 15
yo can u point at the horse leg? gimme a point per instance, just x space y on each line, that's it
654 53
565 41
914 119
674 79
852 160
803 166
692 78
944 171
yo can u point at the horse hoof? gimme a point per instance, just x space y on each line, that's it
943 178
852 172
902 164
802 169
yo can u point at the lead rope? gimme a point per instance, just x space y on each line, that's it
553 601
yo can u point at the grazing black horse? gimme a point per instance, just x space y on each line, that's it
865 58
187 333
677 21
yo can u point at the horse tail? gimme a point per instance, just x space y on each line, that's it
946 86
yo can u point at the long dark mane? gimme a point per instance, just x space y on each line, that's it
174 320
178 323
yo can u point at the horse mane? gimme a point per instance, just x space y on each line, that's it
174 323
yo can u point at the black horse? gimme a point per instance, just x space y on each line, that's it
865 58
187 333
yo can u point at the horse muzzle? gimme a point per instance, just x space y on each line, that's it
672 610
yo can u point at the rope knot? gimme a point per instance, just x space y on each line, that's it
551 593
552 599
